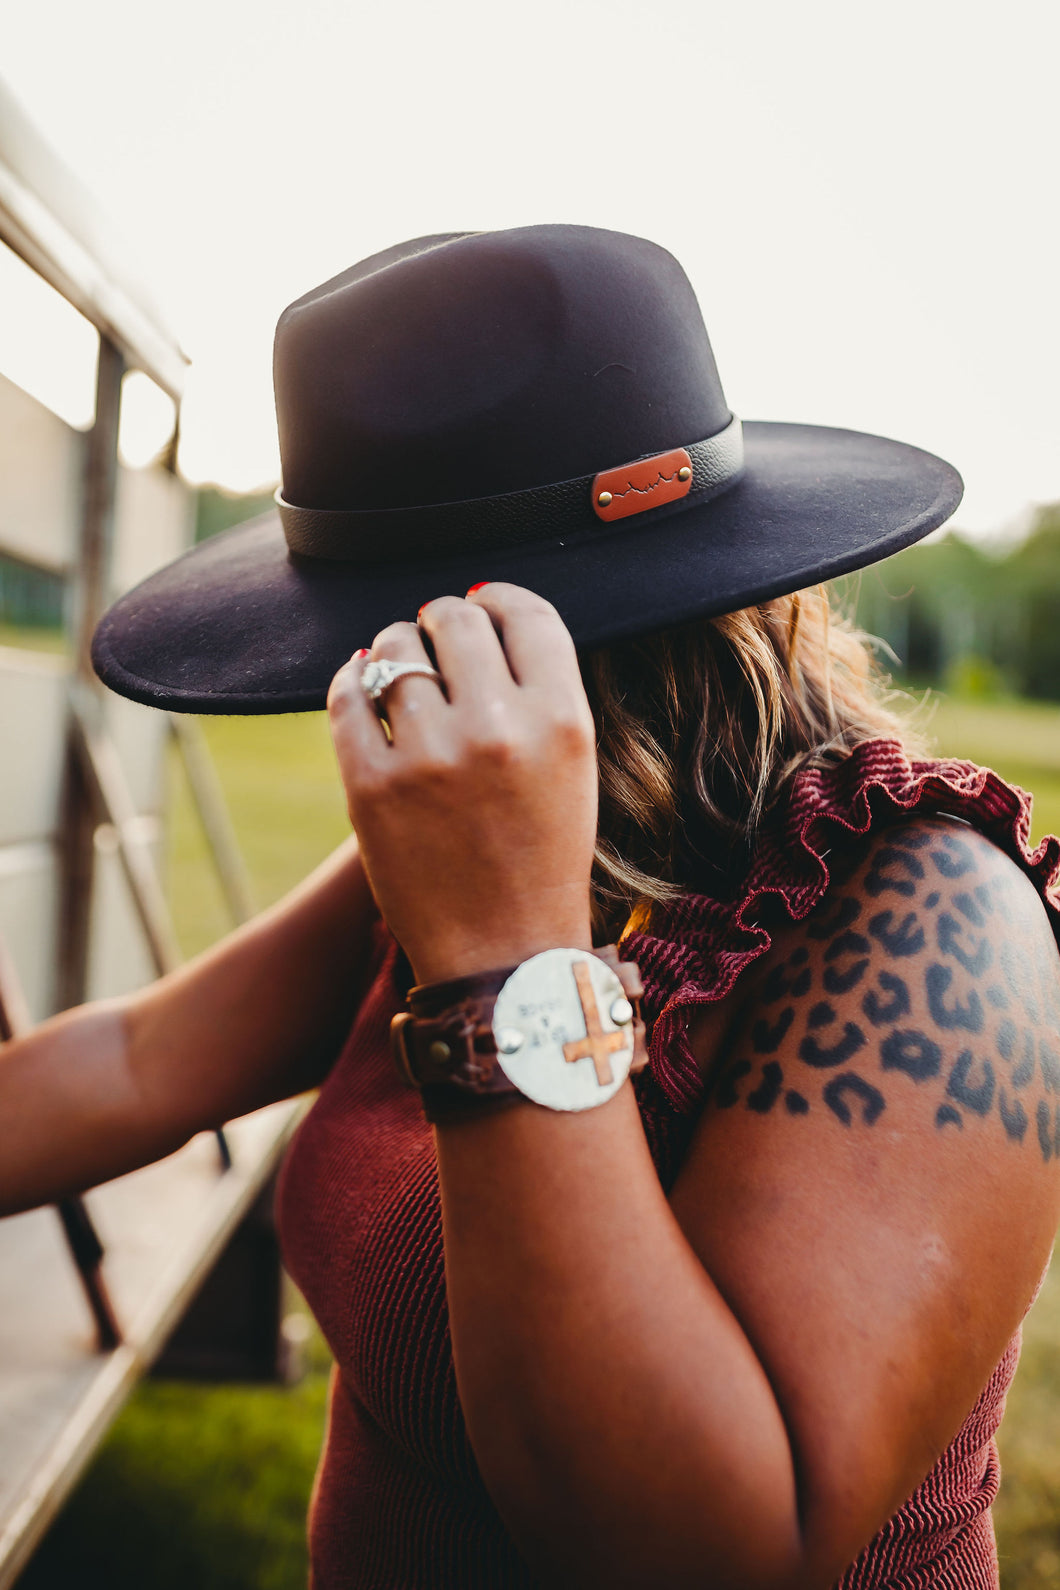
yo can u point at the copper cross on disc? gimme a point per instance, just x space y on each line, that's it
597 1045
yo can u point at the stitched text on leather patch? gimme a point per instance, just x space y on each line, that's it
649 483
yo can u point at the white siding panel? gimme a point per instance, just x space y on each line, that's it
139 735
118 960
39 484
40 480
32 709
29 884
153 523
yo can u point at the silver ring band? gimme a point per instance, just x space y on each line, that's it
378 675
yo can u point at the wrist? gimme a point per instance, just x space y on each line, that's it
454 957
562 1028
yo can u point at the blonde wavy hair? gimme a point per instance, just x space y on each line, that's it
700 730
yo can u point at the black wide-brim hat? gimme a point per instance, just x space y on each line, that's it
540 406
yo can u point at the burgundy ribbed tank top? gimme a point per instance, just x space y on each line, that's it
399 1503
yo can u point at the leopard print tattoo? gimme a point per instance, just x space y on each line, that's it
932 969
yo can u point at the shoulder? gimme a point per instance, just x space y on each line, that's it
930 961
874 1183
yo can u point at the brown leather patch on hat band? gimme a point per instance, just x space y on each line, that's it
632 488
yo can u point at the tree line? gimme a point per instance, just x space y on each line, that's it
961 616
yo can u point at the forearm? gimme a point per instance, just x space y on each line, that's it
621 1419
68 1116
100 1090
622 1422
262 1015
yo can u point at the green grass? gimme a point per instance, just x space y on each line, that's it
287 806
33 637
196 1488
207 1486
1018 739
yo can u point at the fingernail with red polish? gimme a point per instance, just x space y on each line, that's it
363 652
477 587
419 615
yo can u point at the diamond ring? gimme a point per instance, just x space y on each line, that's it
378 676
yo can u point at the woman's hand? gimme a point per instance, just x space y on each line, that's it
477 819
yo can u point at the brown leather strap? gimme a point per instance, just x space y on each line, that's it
444 1045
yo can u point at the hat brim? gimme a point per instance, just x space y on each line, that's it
240 626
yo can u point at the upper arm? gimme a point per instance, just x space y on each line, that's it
875 1183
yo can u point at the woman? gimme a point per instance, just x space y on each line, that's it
749 1320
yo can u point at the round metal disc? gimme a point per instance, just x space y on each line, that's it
573 1054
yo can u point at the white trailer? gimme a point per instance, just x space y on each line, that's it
81 911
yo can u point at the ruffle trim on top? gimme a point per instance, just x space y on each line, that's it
700 946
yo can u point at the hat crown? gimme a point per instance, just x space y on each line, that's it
474 364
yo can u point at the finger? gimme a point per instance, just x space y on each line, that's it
414 704
470 656
536 641
358 735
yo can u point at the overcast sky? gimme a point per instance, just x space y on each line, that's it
865 196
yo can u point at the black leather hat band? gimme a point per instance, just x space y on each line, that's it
518 518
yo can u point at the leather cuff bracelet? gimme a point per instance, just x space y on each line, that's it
563 1029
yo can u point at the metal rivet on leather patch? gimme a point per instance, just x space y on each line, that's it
648 483
439 1052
